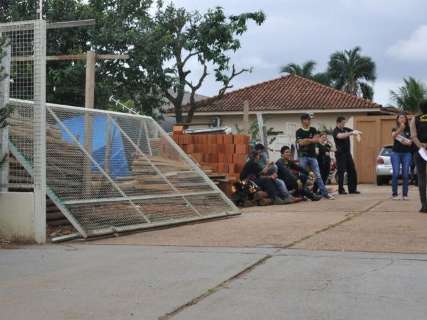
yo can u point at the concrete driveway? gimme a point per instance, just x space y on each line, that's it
304 261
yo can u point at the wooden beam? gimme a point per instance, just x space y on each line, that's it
74 57
90 104
29 25
71 24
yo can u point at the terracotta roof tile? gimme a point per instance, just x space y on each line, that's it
288 93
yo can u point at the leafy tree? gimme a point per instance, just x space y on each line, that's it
118 26
409 95
306 70
181 36
353 73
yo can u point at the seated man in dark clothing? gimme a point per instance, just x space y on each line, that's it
263 177
286 166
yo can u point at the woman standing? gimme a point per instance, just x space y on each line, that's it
401 156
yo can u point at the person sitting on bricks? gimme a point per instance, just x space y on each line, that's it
266 179
289 172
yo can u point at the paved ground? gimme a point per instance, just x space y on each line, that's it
269 263
367 222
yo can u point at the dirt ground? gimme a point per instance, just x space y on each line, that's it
367 222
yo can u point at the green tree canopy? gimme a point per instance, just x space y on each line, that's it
306 70
176 37
353 73
160 46
409 95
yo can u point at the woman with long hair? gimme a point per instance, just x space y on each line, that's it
401 156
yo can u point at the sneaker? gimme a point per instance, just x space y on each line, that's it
423 210
405 198
329 197
278 201
395 197
316 198
342 192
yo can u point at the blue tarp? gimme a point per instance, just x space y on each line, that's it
118 159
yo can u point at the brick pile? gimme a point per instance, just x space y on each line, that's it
224 154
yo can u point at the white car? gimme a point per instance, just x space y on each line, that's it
384 169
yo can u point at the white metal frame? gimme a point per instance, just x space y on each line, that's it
39 119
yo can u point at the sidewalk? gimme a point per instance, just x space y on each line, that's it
247 267
367 222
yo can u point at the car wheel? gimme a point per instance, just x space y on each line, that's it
380 181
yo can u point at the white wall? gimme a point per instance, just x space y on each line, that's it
16 216
282 122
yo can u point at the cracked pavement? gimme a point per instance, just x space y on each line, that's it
359 257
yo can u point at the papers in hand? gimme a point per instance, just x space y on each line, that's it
402 139
423 153
358 134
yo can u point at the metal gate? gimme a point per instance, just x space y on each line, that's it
107 172
111 172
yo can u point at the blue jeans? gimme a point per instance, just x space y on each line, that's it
309 162
281 187
398 160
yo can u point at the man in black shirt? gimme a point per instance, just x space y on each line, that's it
307 138
265 178
419 137
286 166
343 157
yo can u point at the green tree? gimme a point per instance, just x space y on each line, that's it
353 73
409 95
306 70
117 30
176 37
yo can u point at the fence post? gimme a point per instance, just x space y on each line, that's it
39 118
4 133
246 117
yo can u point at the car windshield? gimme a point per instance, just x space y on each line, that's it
386 152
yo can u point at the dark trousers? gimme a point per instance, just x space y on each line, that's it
421 172
345 163
269 186
325 169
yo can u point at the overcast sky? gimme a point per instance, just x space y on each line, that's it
392 32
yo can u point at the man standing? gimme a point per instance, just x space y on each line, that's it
419 137
307 138
344 158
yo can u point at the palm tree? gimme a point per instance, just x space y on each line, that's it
409 95
353 73
304 70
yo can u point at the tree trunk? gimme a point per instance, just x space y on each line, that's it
178 114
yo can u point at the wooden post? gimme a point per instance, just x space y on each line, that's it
246 117
89 104
262 130
90 80
4 133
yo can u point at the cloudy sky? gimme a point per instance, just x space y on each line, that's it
392 32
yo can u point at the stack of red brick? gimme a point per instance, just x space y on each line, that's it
222 153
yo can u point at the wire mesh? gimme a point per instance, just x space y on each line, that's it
106 171
20 38
120 171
